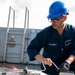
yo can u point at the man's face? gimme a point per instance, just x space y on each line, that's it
58 22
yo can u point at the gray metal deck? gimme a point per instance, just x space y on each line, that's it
7 69
17 69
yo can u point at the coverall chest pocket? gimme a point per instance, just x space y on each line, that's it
68 44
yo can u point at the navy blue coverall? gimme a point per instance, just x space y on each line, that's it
57 47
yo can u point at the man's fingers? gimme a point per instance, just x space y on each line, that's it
48 61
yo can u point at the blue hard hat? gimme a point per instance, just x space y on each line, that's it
57 9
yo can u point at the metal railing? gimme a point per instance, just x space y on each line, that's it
26 25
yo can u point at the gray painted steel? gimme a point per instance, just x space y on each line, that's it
13 53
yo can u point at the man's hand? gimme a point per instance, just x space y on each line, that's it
46 61
64 67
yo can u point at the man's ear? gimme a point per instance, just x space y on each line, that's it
65 17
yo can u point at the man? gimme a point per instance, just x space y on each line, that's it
58 41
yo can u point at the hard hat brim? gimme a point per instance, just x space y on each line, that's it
55 16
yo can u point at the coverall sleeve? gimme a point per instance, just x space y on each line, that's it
73 45
35 45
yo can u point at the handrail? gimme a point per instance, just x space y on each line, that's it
26 22
8 29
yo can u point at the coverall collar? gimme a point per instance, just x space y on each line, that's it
65 34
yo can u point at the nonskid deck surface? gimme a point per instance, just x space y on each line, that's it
7 66
18 69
